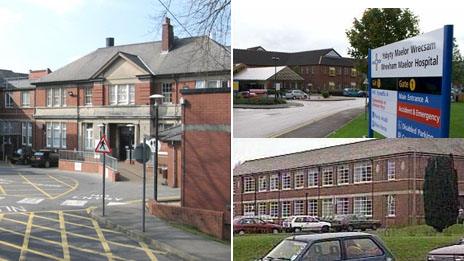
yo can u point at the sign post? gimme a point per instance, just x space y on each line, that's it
103 148
142 155
410 86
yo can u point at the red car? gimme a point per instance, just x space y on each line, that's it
254 225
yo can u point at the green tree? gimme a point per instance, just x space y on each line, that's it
440 193
378 27
458 65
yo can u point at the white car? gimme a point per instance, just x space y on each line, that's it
305 223
296 94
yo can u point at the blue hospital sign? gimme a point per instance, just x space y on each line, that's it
410 86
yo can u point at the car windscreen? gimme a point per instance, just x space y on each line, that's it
286 250
39 153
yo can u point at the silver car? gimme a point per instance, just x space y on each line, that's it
296 94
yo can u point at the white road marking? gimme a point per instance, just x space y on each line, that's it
12 209
98 197
116 203
33 201
46 185
74 203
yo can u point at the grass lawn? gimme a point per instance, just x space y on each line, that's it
408 244
357 128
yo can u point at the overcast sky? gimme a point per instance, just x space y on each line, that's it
295 25
248 149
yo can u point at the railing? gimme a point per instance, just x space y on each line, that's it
89 156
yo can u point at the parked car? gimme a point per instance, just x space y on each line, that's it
45 158
254 225
353 246
453 253
296 94
305 223
247 94
362 93
353 222
22 156
351 92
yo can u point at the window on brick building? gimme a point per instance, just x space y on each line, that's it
25 98
327 176
391 169
262 183
217 84
343 173
362 172
331 71
286 208
88 136
342 206
391 205
313 177
353 72
299 179
312 207
298 207
8 100
327 208
235 187
248 209
122 94
200 84
88 96
274 209
166 89
286 181
249 184
56 97
339 70
26 133
362 206
312 69
331 85
55 135
262 208
274 182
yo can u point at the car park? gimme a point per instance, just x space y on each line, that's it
44 158
22 156
452 253
305 223
245 225
351 222
354 246
296 94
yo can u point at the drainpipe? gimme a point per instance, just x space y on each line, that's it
77 117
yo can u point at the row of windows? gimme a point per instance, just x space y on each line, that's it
25 99
329 207
331 70
329 176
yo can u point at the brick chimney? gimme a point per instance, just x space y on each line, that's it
168 36
36 74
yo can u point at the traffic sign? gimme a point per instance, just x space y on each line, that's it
139 153
103 146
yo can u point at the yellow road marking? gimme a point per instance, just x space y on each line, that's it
36 187
105 245
27 234
72 215
30 250
62 182
64 238
148 251
2 190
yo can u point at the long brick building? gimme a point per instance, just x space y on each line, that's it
322 70
381 179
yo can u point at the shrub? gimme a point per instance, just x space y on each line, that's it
325 94
262 100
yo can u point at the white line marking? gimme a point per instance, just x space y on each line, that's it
116 203
74 203
33 201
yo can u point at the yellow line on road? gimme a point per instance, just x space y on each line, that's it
2 190
36 187
62 182
72 188
148 251
30 250
105 245
64 238
27 234
72 215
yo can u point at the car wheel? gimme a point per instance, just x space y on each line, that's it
297 230
275 231
47 164
350 228
241 232
325 229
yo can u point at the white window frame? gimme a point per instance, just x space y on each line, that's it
274 182
327 177
248 184
298 179
55 129
313 207
9 100
263 184
88 136
342 206
200 84
262 208
286 208
362 206
313 178
343 174
327 207
122 94
391 171
286 181
298 207
88 96
248 209
26 133
166 91
25 99
274 209
391 205
362 172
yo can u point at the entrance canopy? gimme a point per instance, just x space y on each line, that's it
284 73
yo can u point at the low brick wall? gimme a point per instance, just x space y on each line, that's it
92 167
207 221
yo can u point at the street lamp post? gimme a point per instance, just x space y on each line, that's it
155 97
275 59
131 133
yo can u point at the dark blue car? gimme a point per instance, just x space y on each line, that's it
354 246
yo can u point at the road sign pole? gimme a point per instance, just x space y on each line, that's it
155 158
144 183
104 174
370 132
446 82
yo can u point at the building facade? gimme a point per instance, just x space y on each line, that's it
322 70
381 179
